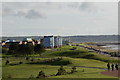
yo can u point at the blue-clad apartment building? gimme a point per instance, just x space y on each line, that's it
52 41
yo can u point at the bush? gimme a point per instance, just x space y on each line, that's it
7 62
61 71
54 61
31 76
83 70
73 69
27 58
41 75
32 60
9 76
20 62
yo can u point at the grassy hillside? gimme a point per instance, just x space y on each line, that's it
77 52
55 62
87 63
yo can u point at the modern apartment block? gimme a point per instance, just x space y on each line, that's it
52 41
57 41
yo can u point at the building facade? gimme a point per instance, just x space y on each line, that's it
48 41
57 41
52 41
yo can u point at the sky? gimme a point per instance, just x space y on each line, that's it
59 18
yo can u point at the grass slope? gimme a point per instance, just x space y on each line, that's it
73 55
69 51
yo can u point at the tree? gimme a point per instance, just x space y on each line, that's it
39 49
13 48
25 49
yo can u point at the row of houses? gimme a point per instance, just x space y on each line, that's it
46 41
7 43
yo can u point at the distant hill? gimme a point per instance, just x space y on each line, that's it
76 39
101 38
21 38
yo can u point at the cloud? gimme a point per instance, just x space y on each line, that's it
6 11
84 6
32 14
20 13
74 5
88 6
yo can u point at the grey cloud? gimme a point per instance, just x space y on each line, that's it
20 13
88 6
32 14
74 5
6 11
84 6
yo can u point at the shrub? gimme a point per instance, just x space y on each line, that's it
31 76
83 70
27 58
73 69
61 71
32 60
41 75
7 62
9 76
20 62
57 61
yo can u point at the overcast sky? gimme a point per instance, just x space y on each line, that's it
50 18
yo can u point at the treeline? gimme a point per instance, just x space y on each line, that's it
24 49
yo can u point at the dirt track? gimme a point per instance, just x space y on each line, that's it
115 73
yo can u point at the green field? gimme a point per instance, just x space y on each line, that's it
49 62
25 70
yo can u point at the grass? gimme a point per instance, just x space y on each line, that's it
69 51
78 53
88 73
0 67
65 61
86 62
25 70
71 56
